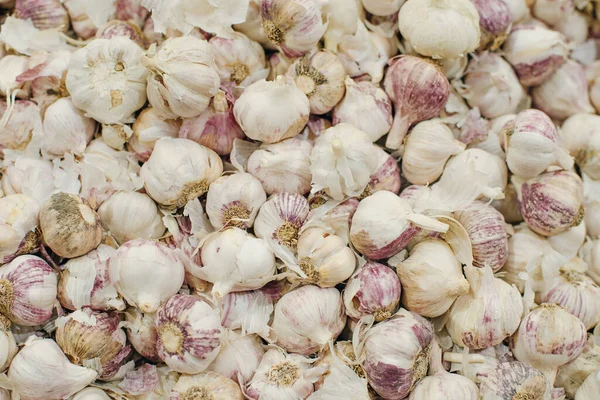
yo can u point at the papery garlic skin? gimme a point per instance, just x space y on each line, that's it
115 86
207 384
511 380
239 357
580 134
550 11
189 333
141 333
160 267
248 311
173 181
18 221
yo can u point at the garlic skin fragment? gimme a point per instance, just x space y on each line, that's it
210 385
147 129
146 273
107 80
514 380
141 333
189 333
580 134
551 11
239 357
423 23
248 311
173 181
18 221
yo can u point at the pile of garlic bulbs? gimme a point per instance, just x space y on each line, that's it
300 199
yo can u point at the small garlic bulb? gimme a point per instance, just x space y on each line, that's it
189 333
427 25
342 161
147 129
431 278
173 181
283 111
183 77
590 387
239 357
283 166
160 267
581 136
46 14
514 380
18 222
307 318
367 107
532 145
208 385
426 149
548 338
398 347
234 200
488 314
382 7
552 11
552 202
141 333
69 226
417 87
494 21
107 80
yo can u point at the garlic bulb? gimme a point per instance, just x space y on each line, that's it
417 87
456 22
248 311
591 202
342 161
532 144
366 106
132 11
431 278
11 67
107 80
552 11
564 93
590 253
295 26
547 338
572 375
575 26
91 393
283 166
535 52
45 14
252 26
8 345
116 135
568 242
492 86
581 136
141 333
147 129
320 76
189 333
374 289
173 181
397 347
183 77
18 222
494 21
426 149
486 230
589 388
234 200
160 267
386 176
209 385
382 7
84 282
239 357
514 380
116 28
131 215
488 314
345 20
307 318
19 125
552 202
283 112
69 227
41 370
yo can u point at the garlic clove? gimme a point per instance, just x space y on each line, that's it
569 242
147 129
116 135
46 14
495 22
345 20
141 333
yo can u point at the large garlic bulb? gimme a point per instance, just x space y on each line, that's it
18 220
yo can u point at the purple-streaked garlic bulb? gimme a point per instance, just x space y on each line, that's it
208 385
509 206
419 90
44 14
132 11
532 145
189 333
307 318
248 311
239 357
117 28
19 125
366 106
535 52
84 282
396 354
374 289
485 226
386 176
552 12
494 21
513 380
384 223
147 129
488 314
551 202
84 336
18 223
565 93
580 134
28 288
146 273
548 338
252 26
141 333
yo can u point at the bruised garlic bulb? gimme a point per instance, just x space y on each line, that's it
307 318
321 77
552 11
69 227
283 111
141 333
366 106
18 222
419 90
581 136
107 80
173 181
160 267
209 385
239 357
189 333
427 25
374 289
426 149
147 129
513 380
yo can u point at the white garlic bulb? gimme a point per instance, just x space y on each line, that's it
552 11
107 80
173 181
572 375
141 333
183 77
282 114
11 67
147 129
580 134
159 266
569 242
513 380
345 20
116 135
91 393
18 221
239 357
207 384
8 345
590 387
382 7
591 202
